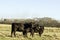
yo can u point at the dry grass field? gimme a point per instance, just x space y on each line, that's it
49 34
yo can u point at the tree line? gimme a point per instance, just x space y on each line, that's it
46 21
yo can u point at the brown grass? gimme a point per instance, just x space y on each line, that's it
49 34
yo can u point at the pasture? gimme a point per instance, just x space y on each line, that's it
50 33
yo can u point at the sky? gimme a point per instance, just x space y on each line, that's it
30 8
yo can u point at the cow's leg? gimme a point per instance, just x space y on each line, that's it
40 32
25 33
32 32
12 30
15 32
11 33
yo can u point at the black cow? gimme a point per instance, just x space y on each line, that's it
26 27
22 27
37 29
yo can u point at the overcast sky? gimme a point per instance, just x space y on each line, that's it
30 8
